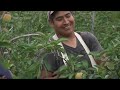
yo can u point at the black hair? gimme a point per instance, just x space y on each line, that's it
52 15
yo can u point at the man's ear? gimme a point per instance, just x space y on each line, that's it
51 23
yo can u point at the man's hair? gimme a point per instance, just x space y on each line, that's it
51 15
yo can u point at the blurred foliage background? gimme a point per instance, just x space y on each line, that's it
20 54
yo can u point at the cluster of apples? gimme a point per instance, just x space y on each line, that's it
7 17
79 75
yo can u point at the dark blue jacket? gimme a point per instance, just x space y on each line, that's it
5 72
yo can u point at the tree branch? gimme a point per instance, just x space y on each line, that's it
27 35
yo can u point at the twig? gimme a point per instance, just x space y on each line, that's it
27 35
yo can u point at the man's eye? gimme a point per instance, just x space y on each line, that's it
68 15
59 19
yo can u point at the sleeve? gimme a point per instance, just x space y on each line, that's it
91 41
94 44
49 62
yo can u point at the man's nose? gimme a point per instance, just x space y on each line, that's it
66 21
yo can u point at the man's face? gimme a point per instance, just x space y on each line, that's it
63 23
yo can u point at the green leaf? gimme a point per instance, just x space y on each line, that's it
6 64
33 67
79 65
29 62
63 68
64 76
85 64
106 76
91 76
71 75
4 44
110 65
97 77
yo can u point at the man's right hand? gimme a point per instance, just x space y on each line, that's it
3 77
48 75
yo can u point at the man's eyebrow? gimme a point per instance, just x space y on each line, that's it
67 13
58 17
63 15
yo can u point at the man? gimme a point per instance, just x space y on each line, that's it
63 24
